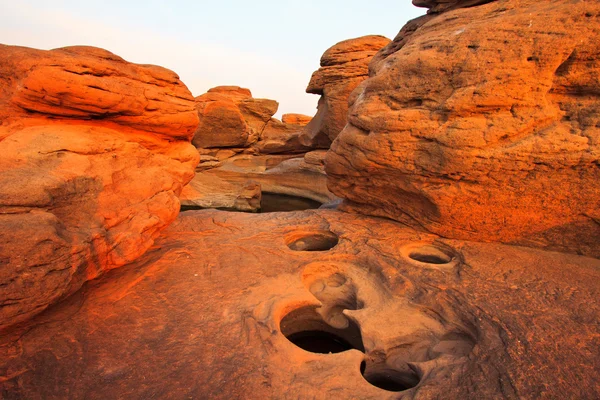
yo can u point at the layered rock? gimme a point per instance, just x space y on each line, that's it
230 117
437 6
241 147
94 152
482 123
220 300
343 67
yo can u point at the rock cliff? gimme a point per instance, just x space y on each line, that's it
482 123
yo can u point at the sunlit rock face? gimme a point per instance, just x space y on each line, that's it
343 67
482 123
94 151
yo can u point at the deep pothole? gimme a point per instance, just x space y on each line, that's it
312 241
382 376
305 328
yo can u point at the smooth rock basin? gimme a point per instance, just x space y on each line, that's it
202 315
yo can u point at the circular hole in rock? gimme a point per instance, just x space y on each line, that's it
306 329
429 258
312 241
430 255
386 378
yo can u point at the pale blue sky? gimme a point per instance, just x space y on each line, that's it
269 46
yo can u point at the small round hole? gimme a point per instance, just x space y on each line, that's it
306 329
430 258
312 241
430 254
386 378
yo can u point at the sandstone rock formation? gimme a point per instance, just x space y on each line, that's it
94 151
226 304
343 67
241 182
437 6
241 147
482 123
231 117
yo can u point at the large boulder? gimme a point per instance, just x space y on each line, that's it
231 117
482 123
343 67
94 152
284 136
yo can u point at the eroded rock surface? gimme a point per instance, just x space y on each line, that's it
94 152
240 182
213 304
241 147
436 6
231 117
482 123
343 67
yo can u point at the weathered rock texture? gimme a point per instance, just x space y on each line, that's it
482 123
231 118
241 147
343 67
93 151
436 6
211 304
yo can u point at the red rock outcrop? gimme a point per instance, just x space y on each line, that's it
241 145
284 136
94 152
231 117
482 123
221 304
343 67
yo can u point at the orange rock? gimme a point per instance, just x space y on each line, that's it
295 119
482 123
224 302
343 67
436 6
231 117
281 137
87 83
94 152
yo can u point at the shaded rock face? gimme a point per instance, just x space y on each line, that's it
322 305
482 123
343 67
94 152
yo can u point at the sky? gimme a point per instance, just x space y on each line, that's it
271 47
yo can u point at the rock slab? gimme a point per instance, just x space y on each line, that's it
212 304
